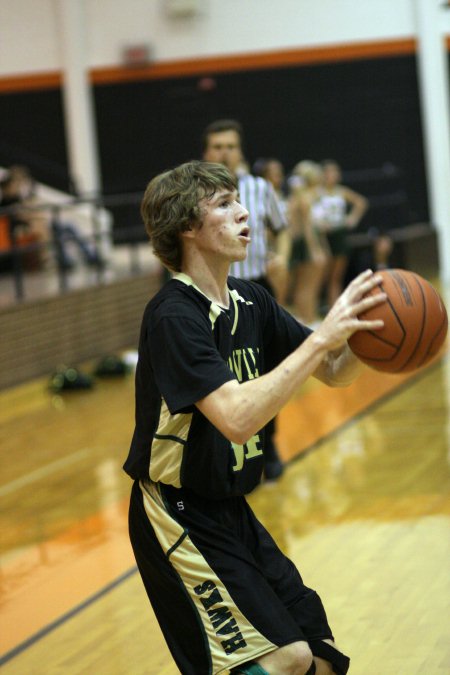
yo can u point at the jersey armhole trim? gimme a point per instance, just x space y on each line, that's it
169 437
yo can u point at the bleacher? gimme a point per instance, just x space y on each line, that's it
51 315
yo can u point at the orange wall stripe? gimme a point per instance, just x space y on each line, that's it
221 64
274 59
32 82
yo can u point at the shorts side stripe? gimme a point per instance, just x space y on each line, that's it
178 543
230 637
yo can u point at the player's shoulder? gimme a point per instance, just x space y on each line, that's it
176 300
249 291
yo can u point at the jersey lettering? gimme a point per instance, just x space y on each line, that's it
247 357
234 643
252 370
218 615
205 586
221 617
249 450
236 365
211 600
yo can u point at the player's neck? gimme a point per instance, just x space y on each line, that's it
211 280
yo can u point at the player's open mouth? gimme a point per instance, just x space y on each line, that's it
245 234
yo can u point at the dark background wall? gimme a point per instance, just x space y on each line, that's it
363 113
32 133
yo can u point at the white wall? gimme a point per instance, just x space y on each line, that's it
30 37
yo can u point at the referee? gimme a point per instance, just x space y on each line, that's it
222 142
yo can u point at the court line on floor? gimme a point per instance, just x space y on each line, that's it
403 385
65 617
384 398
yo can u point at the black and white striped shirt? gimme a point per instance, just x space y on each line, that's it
265 211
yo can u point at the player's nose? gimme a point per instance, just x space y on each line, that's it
241 214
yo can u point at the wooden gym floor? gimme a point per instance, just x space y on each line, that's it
363 509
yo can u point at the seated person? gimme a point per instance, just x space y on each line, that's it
18 189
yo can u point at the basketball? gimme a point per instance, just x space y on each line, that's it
415 324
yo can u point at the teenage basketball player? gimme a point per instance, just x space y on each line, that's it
218 358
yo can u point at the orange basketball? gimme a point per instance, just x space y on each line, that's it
415 324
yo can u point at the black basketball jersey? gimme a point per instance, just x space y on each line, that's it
189 346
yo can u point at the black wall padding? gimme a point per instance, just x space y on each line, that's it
363 113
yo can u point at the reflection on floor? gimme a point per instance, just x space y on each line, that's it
364 515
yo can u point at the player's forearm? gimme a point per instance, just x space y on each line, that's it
241 410
255 402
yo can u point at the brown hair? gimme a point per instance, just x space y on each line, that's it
171 205
217 127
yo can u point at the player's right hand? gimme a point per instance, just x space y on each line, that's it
342 319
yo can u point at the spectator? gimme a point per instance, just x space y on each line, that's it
337 211
277 269
30 216
309 248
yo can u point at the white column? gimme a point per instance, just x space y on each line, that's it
435 101
77 95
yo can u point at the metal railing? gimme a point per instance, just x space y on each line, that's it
107 221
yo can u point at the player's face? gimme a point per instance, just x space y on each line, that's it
224 230
331 175
275 174
224 147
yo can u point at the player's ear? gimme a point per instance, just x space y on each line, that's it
189 233
190 230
